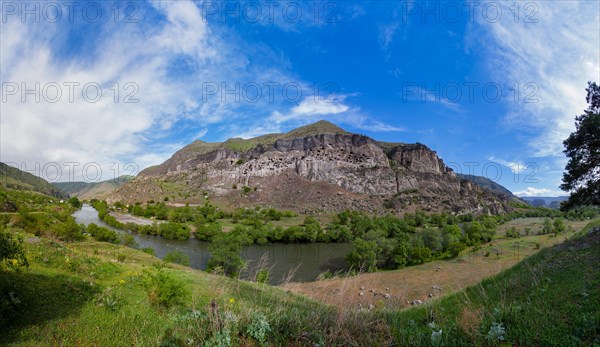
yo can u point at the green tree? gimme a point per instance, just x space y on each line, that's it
225 252
364 255
74 201
582 147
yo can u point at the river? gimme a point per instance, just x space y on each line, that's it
293 262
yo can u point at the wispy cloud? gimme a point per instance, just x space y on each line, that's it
426 96
555 48
387 33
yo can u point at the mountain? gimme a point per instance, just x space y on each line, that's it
488 184
545 201
316 168
13 178
92 190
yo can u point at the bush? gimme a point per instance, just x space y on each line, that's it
12 252
177 257
225 253
174 231
246 189
67 231
74 201
259 327
262 276
128 240
149 250
102 234
512 233
163 288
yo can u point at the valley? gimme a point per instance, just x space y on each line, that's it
263 239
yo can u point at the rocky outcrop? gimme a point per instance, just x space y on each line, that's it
349 170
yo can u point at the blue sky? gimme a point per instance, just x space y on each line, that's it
492 86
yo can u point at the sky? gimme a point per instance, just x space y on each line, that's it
95 89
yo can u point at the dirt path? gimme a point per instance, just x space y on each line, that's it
394 289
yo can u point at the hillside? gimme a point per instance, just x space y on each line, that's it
312 169
488 184
550 299
92 190
13 178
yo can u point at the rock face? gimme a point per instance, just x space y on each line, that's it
315 172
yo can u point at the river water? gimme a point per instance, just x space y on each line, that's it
294 262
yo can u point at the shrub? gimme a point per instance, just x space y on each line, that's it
246 189
177 257
102 234
74 201
262 276
12 252
174 231
163 288
259 327
149 250
128 240
225 253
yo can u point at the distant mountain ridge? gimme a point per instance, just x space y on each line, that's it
545 201
316 168
92 190
13 178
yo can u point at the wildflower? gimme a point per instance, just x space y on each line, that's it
122 281
231 300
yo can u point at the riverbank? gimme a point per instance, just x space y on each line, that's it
286 262
398 289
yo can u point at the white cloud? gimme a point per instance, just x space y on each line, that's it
530 191
515 166
201 133
168 35
313 109
558 54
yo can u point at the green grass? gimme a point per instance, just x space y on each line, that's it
550 299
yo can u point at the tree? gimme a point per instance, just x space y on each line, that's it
74 201
582 147
364 255
225 252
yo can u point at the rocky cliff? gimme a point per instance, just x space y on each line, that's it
315 168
